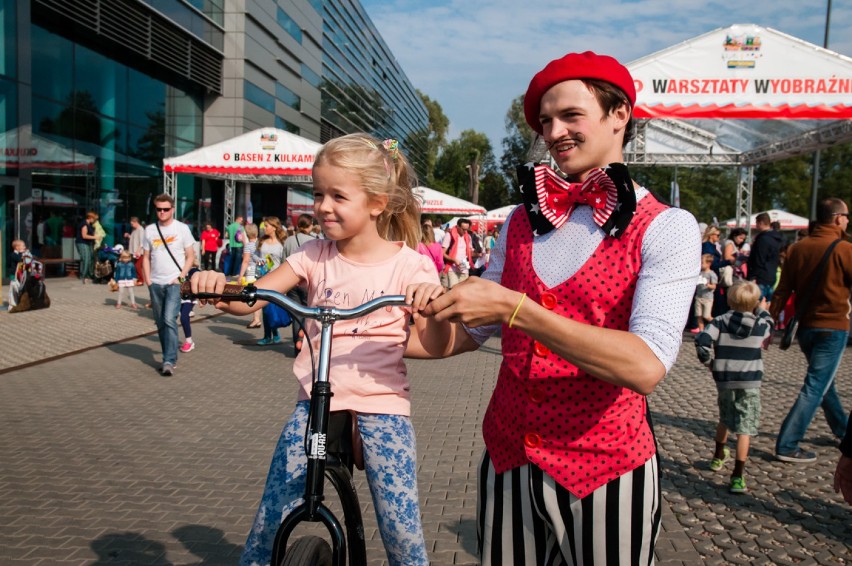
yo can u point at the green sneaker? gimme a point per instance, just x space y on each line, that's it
738 485
717 463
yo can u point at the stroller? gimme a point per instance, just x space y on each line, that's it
27 290
105 261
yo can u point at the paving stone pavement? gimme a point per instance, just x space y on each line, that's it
103 461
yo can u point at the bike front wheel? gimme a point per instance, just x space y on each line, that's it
308 551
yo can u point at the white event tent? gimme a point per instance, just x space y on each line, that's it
436 202
787 220
266 155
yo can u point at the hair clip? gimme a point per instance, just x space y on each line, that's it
392 147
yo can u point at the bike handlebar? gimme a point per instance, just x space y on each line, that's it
250 294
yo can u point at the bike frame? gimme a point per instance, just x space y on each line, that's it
321 464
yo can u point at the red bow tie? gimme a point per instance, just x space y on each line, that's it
557 197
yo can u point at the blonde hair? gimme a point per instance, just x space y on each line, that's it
125 256
382 172
744 296
710 231
428 236
705 258
251 231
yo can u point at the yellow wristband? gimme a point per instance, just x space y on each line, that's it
517 308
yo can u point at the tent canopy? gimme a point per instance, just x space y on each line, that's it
435 202
267 155
20 148
787 220
499 214
740 95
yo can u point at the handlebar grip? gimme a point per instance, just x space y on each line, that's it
231 291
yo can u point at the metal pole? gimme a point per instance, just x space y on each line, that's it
815 178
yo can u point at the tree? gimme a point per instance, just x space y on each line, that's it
451 168
516 145
434 138
707 192
784 184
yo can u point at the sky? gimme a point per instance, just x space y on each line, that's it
475 56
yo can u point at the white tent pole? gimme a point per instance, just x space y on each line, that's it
170 184
230 193
745 182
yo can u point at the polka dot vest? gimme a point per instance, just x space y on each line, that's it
544 410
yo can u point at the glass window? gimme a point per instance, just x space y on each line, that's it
9 45
8 121
184 113
146 99
309 75
283 124
317 4
104 80
53 69
289 25
257 95
287 96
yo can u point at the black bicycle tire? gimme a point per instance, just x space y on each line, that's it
308 551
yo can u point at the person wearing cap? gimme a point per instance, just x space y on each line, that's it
591 282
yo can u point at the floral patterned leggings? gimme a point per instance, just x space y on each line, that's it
390 463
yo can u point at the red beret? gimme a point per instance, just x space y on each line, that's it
586 65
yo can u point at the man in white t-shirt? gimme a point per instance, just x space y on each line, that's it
168 257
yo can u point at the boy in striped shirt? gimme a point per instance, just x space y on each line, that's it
731 346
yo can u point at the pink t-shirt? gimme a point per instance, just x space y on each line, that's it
367 372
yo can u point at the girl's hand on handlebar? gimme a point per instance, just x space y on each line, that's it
209 282
419 295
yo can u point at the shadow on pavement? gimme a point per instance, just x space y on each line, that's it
128 548
787 506
466 531
209 544
149 355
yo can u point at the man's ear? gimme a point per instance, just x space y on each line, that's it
621 116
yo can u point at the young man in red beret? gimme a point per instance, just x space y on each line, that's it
591 282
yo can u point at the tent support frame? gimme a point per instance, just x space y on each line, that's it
745 184
170 184
230 199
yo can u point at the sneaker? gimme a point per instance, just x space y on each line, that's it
738 485
694 331
168 369
187 347
269 341
798 457
716 464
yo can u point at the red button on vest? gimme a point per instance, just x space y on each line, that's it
532 440
538 396
540 349
548 301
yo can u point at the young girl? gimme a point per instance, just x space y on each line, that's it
125 275
186 307
370 218
271 251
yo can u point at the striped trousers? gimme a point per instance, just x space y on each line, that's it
525 517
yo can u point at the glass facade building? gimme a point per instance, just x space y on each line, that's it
93 96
